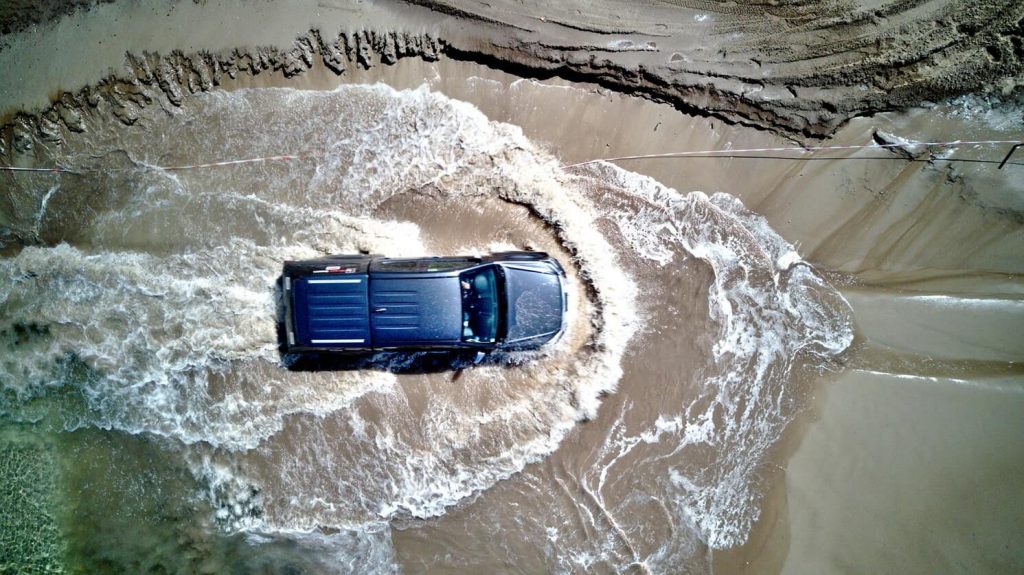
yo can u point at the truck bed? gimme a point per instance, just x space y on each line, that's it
327 305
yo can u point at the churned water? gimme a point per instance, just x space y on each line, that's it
139 321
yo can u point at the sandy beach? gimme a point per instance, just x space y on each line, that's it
801 356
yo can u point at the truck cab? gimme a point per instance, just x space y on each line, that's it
362 304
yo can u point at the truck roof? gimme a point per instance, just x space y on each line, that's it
419 310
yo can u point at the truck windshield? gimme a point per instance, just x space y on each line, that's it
479 305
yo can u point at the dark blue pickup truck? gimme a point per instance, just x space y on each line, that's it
362 303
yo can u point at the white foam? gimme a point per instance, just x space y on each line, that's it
994 112
769 307
537 85
157 334
380 143
180 342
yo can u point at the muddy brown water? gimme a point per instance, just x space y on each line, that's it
706 329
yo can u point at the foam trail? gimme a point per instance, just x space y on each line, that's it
183 346
157 315
771 309
166 342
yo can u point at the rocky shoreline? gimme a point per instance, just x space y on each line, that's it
858 64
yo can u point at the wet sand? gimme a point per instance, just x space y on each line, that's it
908 459
837 61
932 491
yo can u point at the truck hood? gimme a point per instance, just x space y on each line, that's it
534 299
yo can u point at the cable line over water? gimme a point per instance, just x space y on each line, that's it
743 153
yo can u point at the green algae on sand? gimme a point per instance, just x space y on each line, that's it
30 541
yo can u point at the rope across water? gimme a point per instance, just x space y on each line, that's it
746 153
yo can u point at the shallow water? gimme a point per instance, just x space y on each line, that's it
140 305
